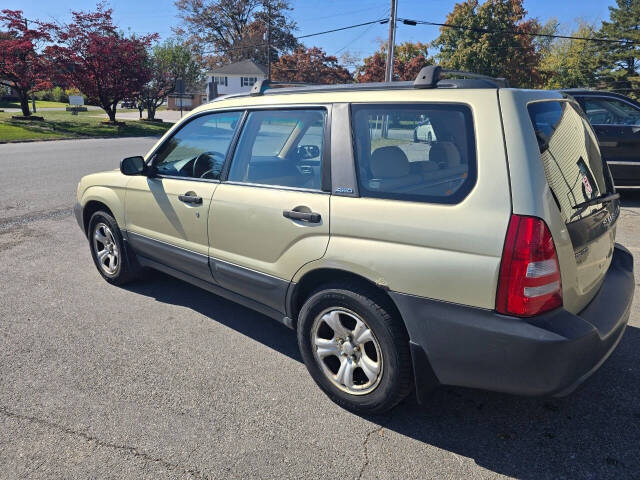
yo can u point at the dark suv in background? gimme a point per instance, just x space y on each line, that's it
616 121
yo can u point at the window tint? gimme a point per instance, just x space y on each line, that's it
282 148
570 155
198 149
414 152
610 111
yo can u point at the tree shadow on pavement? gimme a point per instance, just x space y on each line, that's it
593 433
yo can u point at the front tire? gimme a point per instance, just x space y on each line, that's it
116 265
355 347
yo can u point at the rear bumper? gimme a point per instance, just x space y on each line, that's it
546 355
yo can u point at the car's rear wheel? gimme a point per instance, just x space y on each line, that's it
113 261
355 348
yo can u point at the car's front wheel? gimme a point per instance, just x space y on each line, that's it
355 348
108 250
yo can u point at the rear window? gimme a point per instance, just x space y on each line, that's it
570 155
423 152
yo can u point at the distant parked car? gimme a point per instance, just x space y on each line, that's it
128 104
616 120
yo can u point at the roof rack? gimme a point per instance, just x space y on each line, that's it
263 84
430 76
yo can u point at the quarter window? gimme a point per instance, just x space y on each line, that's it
198 149
422 152
281 148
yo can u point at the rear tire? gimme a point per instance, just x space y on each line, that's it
355 347
114 261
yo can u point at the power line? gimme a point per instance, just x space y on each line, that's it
348 27
408 21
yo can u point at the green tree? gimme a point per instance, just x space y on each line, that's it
620 64
492 39
168 62
232 30
571 63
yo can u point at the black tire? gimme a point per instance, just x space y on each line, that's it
375 309
126 268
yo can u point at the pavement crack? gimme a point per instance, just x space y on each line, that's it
365 450
193 472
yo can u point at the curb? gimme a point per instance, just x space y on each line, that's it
32 140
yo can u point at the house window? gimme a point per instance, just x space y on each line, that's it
220 81
248 81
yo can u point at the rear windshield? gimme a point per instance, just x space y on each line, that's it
570 155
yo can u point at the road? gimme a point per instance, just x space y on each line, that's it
163 380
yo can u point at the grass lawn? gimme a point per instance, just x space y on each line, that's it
64 125
39 104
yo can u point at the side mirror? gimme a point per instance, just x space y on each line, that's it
307 152
132 166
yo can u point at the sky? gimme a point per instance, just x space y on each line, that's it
147 16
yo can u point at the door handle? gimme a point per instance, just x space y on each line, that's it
310 217
190 197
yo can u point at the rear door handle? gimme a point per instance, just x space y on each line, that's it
190 197
310 217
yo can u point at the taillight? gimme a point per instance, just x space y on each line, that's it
529 281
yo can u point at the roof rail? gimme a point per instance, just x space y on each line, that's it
430 75
263 85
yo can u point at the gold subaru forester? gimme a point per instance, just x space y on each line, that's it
446 231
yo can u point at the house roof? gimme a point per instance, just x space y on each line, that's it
248 67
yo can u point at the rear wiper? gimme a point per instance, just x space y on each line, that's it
604 198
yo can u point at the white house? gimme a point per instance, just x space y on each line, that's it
236 77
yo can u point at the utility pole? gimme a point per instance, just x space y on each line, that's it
268 5
393 13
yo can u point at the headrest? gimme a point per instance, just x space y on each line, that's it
445 154
389 162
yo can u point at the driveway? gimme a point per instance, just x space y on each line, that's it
164 380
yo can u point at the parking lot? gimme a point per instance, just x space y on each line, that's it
163 380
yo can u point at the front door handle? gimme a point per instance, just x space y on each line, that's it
310 217
190 197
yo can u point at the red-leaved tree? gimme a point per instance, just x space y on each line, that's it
310 65
23 67
101 62
408 60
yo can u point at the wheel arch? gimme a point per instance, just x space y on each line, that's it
102 198
299 291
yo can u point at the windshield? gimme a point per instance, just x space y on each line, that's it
570 155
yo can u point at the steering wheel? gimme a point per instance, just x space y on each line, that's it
204 163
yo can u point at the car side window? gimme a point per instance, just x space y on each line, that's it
199 148
422 152
281 148
610 111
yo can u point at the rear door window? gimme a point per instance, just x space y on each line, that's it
570 155
610 111
419 152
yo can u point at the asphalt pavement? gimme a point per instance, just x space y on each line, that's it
163 380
